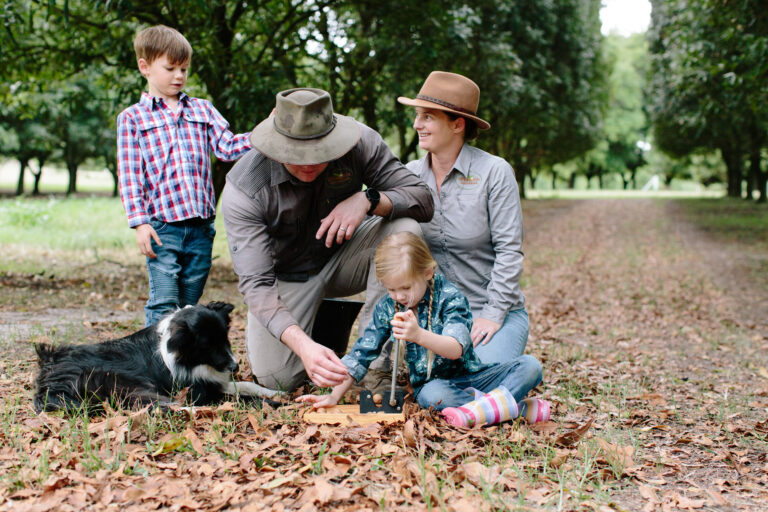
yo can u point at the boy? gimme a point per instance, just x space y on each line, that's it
164 170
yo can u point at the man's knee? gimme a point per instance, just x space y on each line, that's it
402 224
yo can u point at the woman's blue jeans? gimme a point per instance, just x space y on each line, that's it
509 341
518 376
177 276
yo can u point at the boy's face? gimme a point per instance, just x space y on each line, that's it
165 80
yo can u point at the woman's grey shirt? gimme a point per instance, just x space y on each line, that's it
476 233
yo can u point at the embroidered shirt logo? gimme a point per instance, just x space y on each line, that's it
469 180
339 177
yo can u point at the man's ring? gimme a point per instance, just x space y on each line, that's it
342 229
483 333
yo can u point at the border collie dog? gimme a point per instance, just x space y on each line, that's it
187 348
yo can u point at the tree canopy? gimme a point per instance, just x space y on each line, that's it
539 64
708 83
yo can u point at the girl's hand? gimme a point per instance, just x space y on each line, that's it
318 401
483 330
405 326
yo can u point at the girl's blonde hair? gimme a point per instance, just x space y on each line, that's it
403 254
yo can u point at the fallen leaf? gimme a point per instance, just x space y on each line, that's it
169 444
573 437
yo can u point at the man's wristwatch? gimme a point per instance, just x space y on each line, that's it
374 196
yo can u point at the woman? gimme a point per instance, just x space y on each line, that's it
476 234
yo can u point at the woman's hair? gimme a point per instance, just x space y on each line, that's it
403 254
154 42
471 130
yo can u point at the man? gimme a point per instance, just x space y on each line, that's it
300 227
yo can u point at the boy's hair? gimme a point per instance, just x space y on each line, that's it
154 42
403 254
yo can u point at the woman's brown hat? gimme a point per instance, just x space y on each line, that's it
450 92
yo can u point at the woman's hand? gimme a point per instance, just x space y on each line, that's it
405 326
483 330
318 401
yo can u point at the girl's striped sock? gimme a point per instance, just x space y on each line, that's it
493 407
534 410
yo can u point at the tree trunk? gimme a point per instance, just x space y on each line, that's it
520 172
72 169
762 181
733 162
754 172
554 180
20 185
572 181
37 175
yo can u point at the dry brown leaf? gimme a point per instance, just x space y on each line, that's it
560 457
409 434
619 457
573 437
480 475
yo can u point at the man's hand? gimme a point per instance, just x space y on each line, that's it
322 365
144 235
344 219
483 330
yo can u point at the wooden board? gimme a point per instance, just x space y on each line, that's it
348 414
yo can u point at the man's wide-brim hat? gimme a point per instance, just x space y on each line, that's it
304 130
450 92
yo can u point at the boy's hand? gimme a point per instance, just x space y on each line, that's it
405 326
144 235
318 401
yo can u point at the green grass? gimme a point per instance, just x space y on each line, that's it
44 232
729 218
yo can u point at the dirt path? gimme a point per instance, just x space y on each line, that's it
629 310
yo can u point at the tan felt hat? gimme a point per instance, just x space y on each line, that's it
450 92
304 130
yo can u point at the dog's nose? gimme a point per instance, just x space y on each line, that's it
233 366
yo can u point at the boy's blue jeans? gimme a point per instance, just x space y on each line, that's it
177 276
519 376
509 341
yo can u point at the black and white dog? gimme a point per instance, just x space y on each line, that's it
187 348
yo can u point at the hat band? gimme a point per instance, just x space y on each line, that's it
304 137
445 104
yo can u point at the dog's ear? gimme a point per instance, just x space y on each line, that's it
222 308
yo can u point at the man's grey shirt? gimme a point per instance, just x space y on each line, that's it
271 217
476 234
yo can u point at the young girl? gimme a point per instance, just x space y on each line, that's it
431 315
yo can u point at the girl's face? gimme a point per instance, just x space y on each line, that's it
436 130
407 291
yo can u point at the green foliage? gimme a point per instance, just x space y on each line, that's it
539 65
708 83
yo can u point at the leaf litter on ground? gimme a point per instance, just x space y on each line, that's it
654 371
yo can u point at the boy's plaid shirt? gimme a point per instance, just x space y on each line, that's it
163 158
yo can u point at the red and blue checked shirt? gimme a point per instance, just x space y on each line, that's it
163 158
